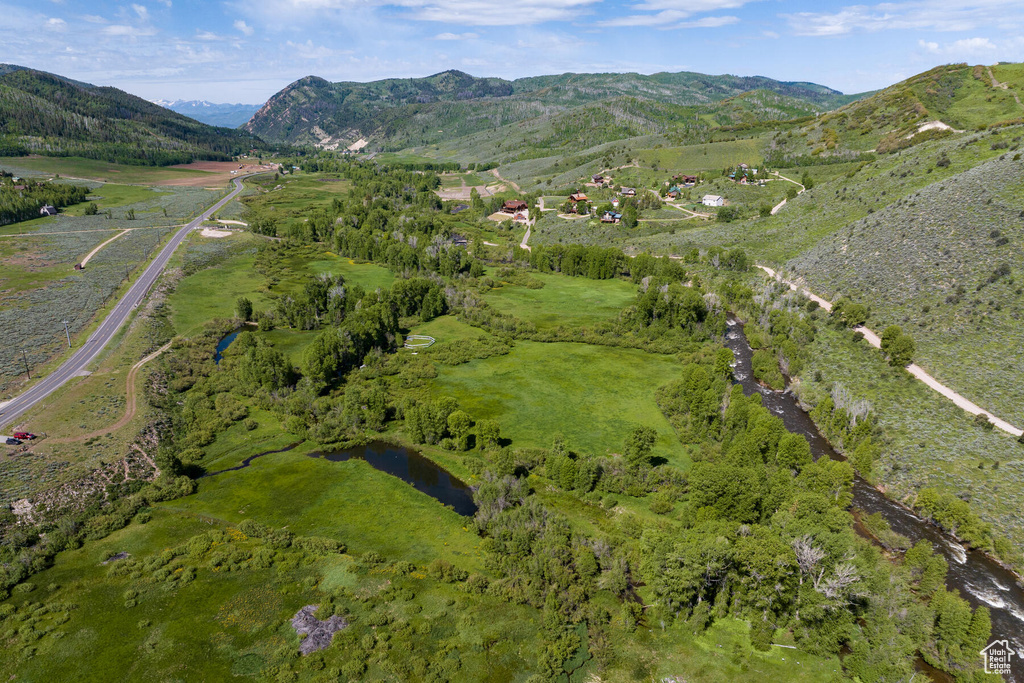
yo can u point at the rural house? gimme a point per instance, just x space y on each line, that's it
514 206
48 210
713 200
628 191
611 217
577 197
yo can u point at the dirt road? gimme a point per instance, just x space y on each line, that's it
778 207
130 402
914 369
97 249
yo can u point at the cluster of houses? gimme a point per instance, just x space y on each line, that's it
745 175
679 183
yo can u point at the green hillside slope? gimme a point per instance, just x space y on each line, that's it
42 113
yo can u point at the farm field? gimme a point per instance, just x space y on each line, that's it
705 157
100 171
593 395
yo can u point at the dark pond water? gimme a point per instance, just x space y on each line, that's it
224 343
411 467
980 580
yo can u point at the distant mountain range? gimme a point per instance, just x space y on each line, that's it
42 113
214 114
397 113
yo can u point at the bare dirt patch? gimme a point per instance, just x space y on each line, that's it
318 633
215 233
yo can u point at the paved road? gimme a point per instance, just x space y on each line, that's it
81 358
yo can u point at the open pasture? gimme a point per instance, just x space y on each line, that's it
594 395
563 300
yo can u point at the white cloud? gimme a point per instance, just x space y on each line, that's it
207 35
670 19
769 34
56 24
677 14
456 36
937 15
966 47
127 31
141 11
165 3
94 19
243 27
461 12
308 50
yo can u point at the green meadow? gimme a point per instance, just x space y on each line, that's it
593 395
563 300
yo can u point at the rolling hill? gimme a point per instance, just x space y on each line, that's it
953 97
42 113
397 113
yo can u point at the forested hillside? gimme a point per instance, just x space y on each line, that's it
405 112
41 113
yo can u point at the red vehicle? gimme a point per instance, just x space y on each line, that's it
24 436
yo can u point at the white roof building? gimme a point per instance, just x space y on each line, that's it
713 200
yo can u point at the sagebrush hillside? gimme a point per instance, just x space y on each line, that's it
945 263
42 113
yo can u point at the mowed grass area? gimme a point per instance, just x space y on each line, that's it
563 300
593 395
705 157
292 343
91 169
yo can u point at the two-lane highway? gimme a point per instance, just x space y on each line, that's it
85 354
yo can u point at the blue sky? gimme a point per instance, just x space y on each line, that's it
245 51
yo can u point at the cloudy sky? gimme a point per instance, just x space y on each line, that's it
246 50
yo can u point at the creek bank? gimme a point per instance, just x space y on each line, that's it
980 579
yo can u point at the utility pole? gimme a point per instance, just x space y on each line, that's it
67 333
24 357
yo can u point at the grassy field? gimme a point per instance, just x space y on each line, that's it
707 157
91 169
212 293
593 395
563 300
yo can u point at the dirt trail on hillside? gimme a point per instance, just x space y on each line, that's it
1004 86
914 369
129 410
778 207
494 172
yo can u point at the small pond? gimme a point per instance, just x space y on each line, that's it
411 467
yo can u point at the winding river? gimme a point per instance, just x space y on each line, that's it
980 580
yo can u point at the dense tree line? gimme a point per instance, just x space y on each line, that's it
22 205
